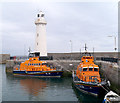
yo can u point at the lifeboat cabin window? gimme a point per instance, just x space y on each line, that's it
84 69
43 63
95 69
90 68
39 63
32 64
87 58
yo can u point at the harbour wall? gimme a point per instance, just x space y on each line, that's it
111 71
74 55
4 58
77 55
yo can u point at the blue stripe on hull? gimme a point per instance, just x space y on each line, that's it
39 73
88 88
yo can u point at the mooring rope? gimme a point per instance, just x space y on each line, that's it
105 89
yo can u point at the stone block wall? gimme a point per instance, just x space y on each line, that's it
111 72
4 57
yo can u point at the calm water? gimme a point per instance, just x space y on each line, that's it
41 89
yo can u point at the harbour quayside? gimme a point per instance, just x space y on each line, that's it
87 78
36 68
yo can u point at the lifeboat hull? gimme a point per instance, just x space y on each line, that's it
38 73
88 88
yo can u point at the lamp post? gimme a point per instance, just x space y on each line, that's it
71 48
114 40
93 51
80 51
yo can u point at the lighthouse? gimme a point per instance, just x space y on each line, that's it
40 37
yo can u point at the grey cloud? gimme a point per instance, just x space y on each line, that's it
80 22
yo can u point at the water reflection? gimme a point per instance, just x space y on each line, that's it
38 89
33 86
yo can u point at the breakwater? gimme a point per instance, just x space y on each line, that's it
111 72
4 58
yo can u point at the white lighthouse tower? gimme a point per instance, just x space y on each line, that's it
40 39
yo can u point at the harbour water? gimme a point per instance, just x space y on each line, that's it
41 89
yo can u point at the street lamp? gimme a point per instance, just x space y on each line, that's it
71 45
114 40
93 51
71 48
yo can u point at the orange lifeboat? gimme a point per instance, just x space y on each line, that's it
87 78
37 68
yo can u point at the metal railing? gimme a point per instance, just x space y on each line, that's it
109 59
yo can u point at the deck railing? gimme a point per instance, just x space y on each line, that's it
89 78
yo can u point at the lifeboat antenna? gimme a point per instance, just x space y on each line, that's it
29 50
85 48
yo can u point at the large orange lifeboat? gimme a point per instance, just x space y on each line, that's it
37 68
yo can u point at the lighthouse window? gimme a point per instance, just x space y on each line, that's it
38 15
42 15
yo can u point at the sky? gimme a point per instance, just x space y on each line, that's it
80 22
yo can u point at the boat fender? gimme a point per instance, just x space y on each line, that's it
104 101
25 71
108 83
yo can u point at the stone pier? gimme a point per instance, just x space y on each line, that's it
111 72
